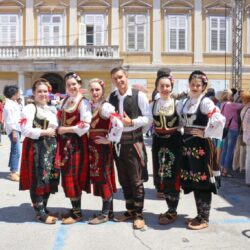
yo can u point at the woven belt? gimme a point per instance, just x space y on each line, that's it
190 130
131 136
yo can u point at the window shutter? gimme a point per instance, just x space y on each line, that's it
131 32
218 34
45 37
173 32
82 34
141 30
99 30
182 33
9 28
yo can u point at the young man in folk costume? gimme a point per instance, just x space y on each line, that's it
130 153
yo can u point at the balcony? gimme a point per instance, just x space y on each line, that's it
58 52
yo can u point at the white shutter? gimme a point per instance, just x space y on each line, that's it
131 32
182 32
99 30
172 32
56 35
82 34
141 31
9 30
218 34
214 34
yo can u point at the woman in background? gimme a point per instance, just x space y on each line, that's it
12 116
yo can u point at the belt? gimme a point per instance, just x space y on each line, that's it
97 132
189 131
131 136
161 132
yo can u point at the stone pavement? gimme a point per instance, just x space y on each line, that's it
229 221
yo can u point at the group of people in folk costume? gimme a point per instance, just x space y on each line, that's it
80 141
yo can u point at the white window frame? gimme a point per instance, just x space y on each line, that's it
248 34
83 27
146 35
218 84
61 36
228 34
180 86
137 82
167 33
18 31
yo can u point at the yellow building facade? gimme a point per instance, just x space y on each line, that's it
49 38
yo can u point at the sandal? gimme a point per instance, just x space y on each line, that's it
197 224
74 216
47 219
124 217
101 218
167 218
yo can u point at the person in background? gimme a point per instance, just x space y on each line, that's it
12 116
245 117
229 109
130 154
105 128
1 120
37 174
20 103
72 156
201 121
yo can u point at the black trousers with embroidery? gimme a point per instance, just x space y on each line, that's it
203 199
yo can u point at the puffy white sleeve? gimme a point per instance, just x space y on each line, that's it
27 117
107 110
215 125
85 118
116 129
115 132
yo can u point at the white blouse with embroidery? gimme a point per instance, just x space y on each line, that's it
216 121
28 115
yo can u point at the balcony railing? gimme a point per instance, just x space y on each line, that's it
62 52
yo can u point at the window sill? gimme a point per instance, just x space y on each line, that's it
217 54
136 53
179 53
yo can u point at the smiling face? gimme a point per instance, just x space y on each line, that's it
96 92
196 87
164 88
41 94
72 87
120 80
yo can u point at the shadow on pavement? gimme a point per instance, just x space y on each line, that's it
3 175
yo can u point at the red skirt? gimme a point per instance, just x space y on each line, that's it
102 173
72 159
37 171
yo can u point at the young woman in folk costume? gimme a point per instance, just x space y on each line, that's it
201 121
38 125
72 150
105 127
166 147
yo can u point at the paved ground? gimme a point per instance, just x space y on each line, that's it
229 226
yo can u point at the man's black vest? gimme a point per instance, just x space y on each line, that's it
130 104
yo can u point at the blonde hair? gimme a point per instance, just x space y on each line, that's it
99 81
225 95
245 96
